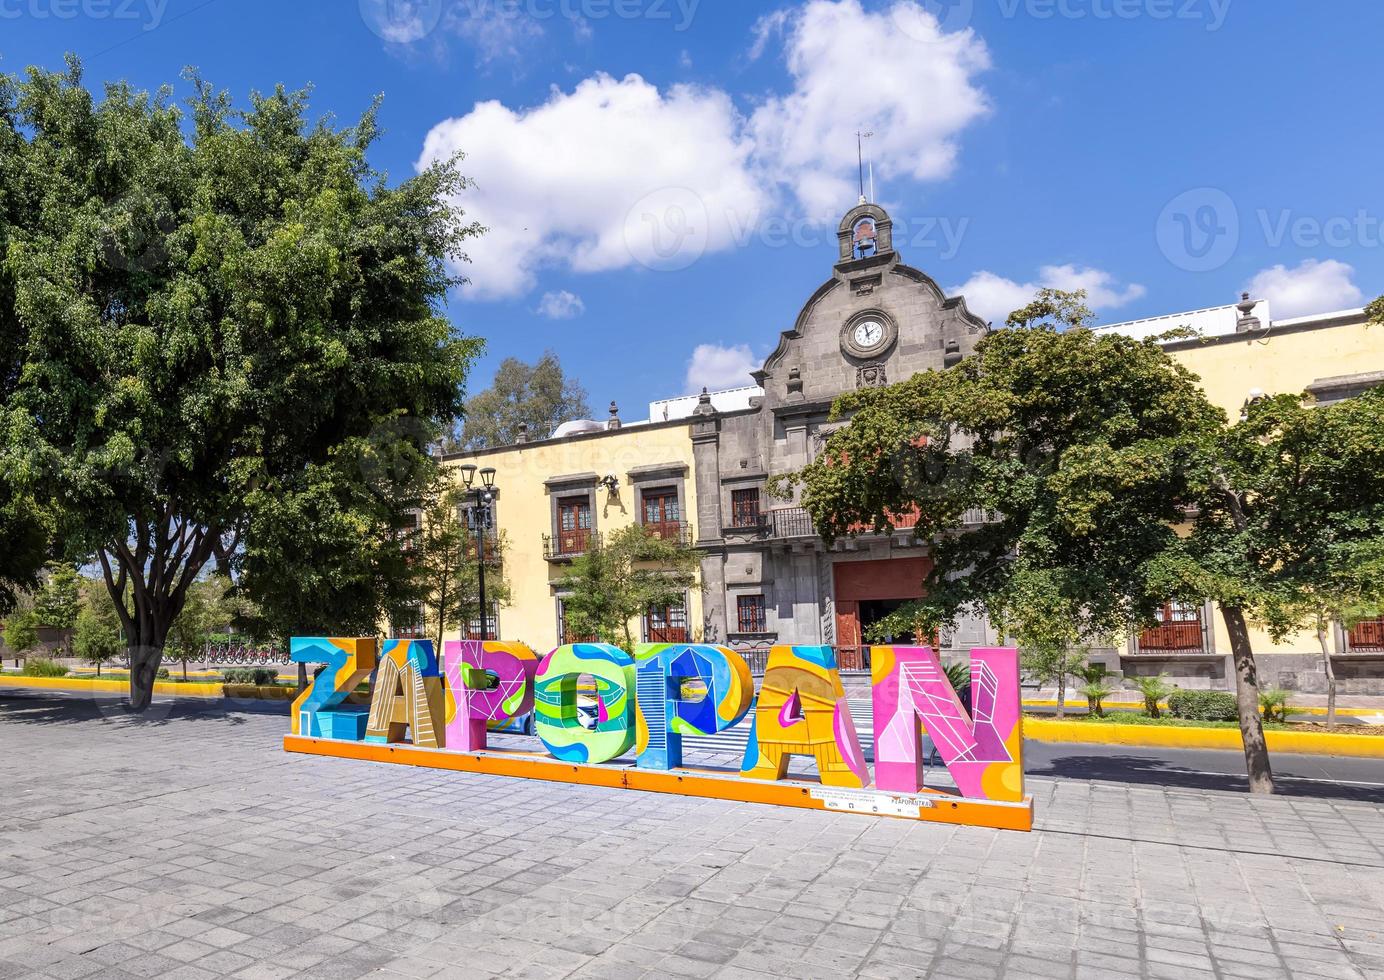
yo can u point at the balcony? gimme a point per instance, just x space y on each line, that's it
791 522
566 545
679 534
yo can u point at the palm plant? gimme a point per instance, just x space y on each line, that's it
1274 704
1097 687
1154 690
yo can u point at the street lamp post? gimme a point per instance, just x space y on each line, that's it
485 496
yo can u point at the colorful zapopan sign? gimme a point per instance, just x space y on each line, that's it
433 713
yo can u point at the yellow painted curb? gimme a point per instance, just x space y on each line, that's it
107 687
1139 706
1151 736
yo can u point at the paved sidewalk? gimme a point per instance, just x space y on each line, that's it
191 846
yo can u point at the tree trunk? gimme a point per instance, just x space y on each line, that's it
144 669
1247 695
1330 676
1061 693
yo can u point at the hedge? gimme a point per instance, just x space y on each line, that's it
1204 705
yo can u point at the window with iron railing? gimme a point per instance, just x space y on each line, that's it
746 508
574 524
492 631
410 626
750 614
1179 630
666 624
565 633
662 514
1367 636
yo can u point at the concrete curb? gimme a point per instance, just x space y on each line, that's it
1228 739
108 687
1314 710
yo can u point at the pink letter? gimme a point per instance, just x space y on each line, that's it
489 684
983 750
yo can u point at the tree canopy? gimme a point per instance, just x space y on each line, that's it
620 578
226 347
539 395
1071 444
1290 525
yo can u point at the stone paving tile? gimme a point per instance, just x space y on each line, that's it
189 845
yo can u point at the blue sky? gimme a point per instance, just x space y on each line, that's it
662 176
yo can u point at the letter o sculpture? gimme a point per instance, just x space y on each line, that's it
557 714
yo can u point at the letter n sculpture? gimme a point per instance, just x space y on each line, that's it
982 748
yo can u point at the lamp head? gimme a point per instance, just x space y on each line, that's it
468 474
488 477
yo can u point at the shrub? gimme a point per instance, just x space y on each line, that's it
162 674
1204 705
254 676
43 667
1274 704
1154 690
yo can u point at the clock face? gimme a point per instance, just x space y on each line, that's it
869 333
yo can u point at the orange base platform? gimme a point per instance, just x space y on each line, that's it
930 805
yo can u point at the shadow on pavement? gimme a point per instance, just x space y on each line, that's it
1144 771
48 708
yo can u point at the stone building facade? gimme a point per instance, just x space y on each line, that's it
767 576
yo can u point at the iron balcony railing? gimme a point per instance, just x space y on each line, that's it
791 522
674 532
566 545
796 522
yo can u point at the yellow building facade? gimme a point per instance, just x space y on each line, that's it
1242 356
552 500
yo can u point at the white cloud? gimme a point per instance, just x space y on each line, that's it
717 368
617 173
612 174
497 32
1102 292
896 73
768 27
993 297
561 305
1312 287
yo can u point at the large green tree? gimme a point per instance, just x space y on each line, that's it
1072 445
539 396
230 346
24 524
1289 530
623 575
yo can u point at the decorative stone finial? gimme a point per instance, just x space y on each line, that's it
1248 321
614 422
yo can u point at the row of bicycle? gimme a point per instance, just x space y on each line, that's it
245 656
